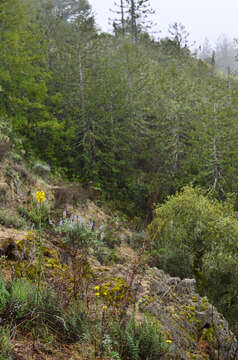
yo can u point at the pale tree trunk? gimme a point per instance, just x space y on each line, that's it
215 156
122 19
81 83
177 143
176 137
215 163
133 22
130 87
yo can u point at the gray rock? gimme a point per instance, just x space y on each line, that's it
158 287
186 286
173 281
153 309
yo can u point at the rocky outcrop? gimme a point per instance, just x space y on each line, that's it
194 328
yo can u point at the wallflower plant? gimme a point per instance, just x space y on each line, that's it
40 197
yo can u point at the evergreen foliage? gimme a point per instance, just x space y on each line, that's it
135 118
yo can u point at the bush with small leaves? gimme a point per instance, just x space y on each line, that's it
196 225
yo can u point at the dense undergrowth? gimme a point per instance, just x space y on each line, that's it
53 300
52 288
101 334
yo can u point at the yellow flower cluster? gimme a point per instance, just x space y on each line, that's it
97 293
40 196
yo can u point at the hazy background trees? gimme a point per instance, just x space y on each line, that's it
224 52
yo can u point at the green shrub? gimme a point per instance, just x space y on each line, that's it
6 345
134 341
10 220
21 297
174 261
198 235
4 295
76 323
221 285
137 240
113 258
150 339
198 226
41 168
77 235
47 312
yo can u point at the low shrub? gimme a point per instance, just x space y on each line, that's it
6 345
76 323
171 260
134 341
10 220
32 310
41 168
137 240
21 299
4 295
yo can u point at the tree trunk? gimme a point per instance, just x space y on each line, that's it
215 157
133 22
122 19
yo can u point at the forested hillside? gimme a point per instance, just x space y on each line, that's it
148 130
134 117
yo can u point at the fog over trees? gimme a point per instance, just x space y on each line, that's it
225 53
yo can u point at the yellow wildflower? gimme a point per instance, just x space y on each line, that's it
40 196
169 341
97 294
104 307
96 287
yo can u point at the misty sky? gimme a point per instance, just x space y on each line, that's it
202 18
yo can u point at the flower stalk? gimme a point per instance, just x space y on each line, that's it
40 197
